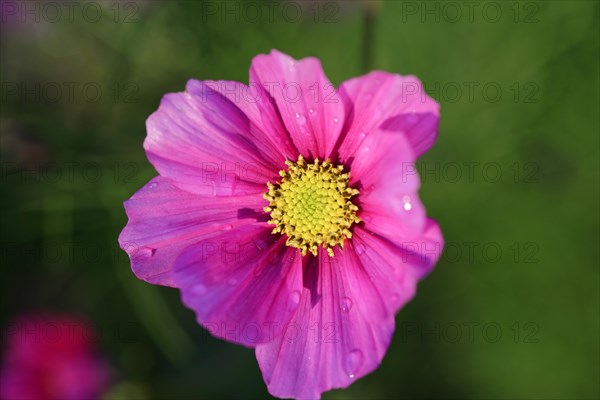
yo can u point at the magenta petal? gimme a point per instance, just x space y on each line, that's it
383 169
243 285
207 145
392 209
164 219
344 322
308 103
395 268
383 100
265 129
425 251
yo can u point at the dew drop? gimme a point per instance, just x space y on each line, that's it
360 249
227 227
335 120
198 290
232 281
300 118
352 362
346 304
310 110
407 205
294 300
145 252
153 185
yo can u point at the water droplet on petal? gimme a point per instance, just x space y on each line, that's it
294 300
198 290
352 362
153 185
144 252
346 304
310 110
407 205
232 281
360 249
335 120
227 227
300 118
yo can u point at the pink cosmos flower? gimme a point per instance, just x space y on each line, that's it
51 357
286 212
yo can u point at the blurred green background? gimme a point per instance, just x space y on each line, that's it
512 309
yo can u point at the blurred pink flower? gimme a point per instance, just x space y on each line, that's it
51 357
287 214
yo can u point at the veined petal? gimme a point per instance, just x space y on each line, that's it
383 169
164 219
266 130
345 320
206 144
308 103
244 285
390 101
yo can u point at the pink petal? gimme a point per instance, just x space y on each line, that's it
424 251
383 100
266 130
308 103
345 320
207 145
383 170
164 219
244 285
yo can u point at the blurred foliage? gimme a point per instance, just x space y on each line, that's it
69 162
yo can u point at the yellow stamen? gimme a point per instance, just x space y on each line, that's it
312 205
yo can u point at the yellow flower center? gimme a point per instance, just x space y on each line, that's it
312 205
